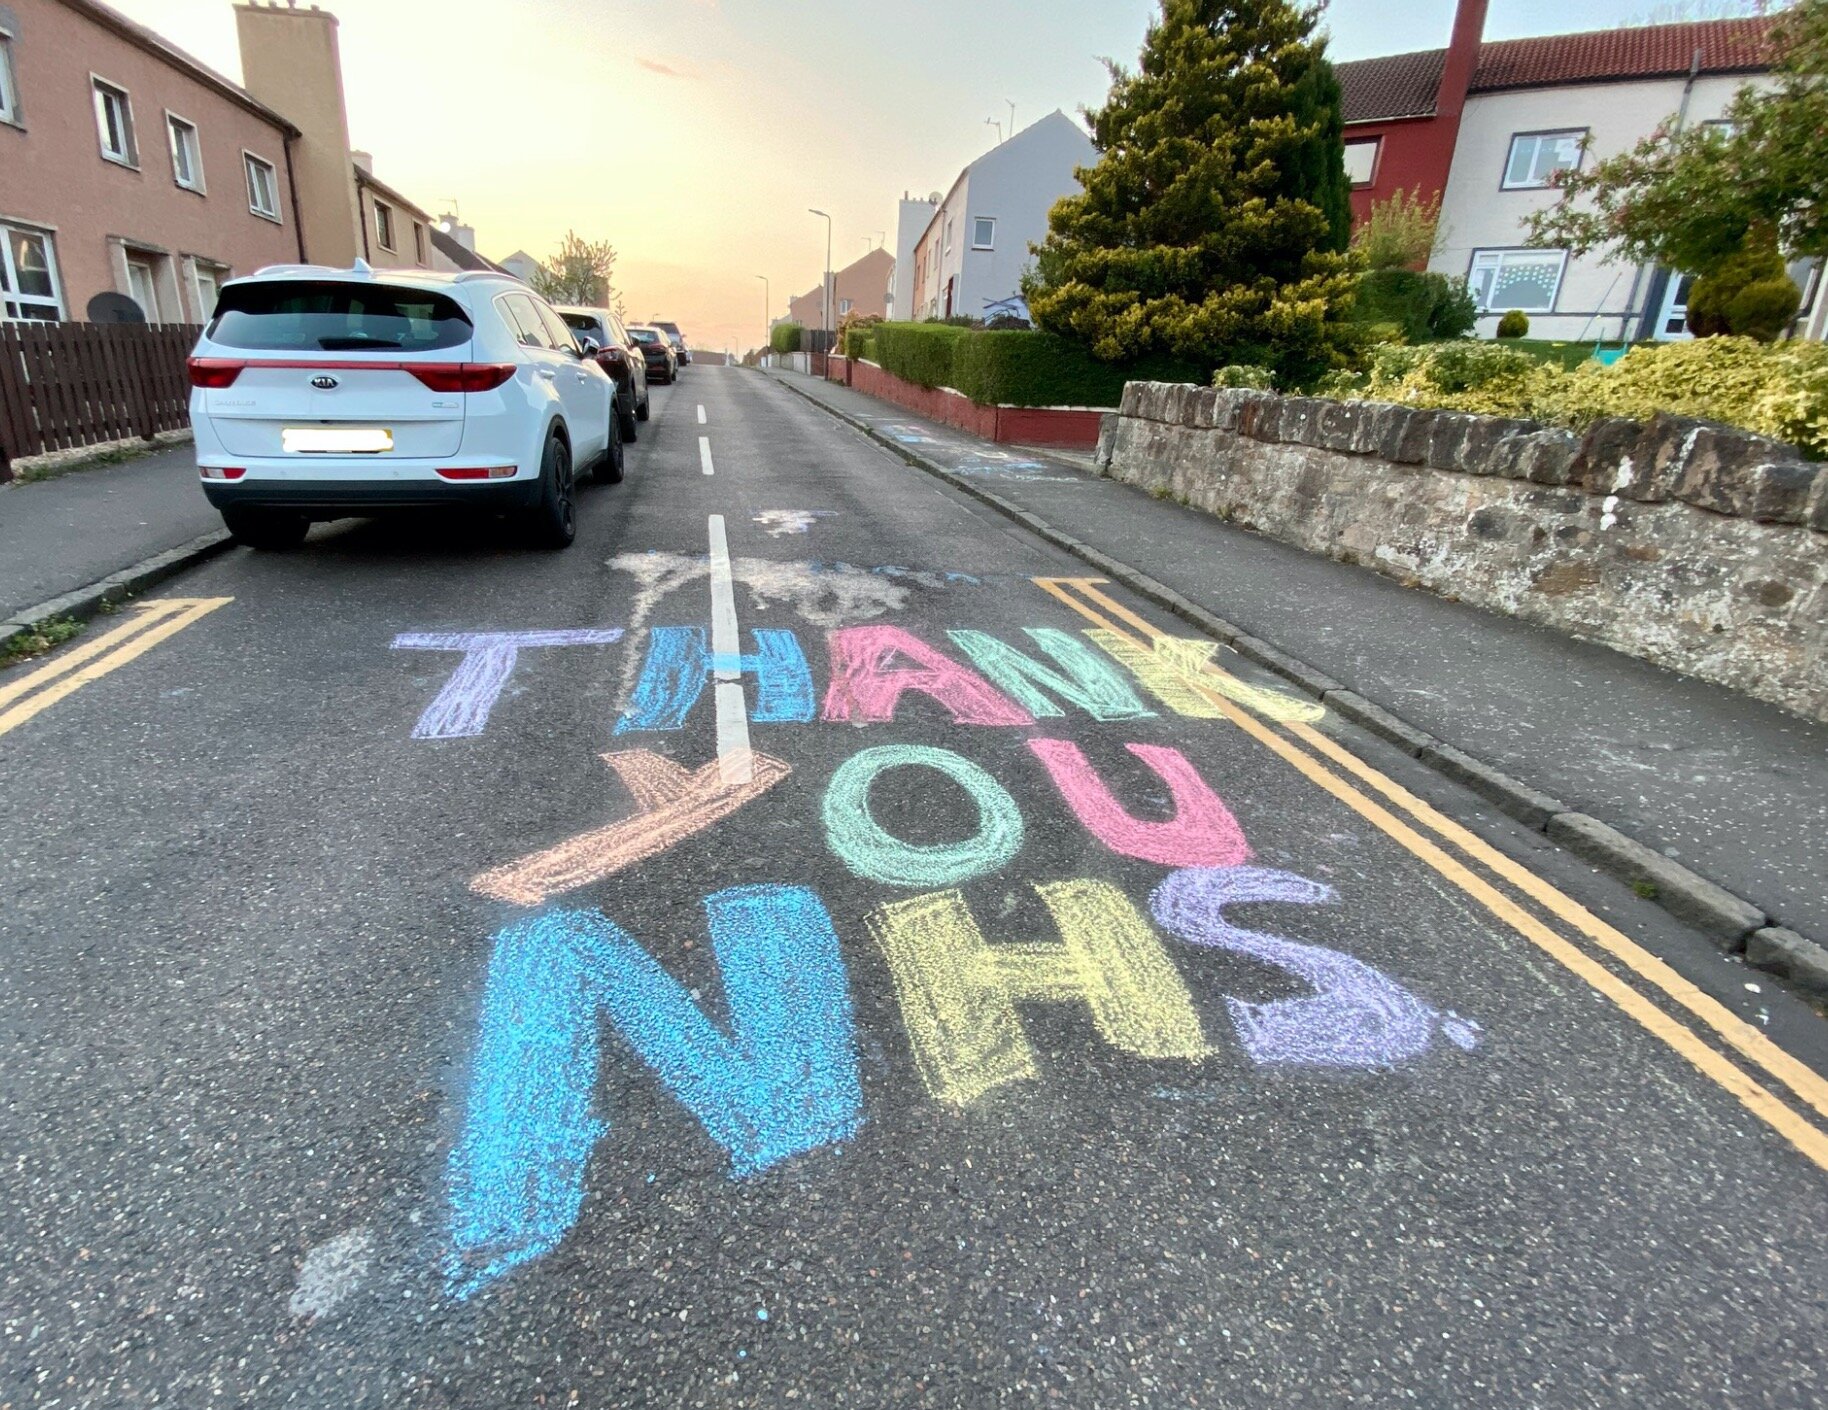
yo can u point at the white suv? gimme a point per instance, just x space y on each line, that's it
320 393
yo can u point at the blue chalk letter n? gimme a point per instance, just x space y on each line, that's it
783 1080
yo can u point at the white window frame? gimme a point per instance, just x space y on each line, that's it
249 160
13 295
419 244
9 82
393 229
1376 144
1580 134
1494 260
845 306
100 90
173 122
150 304
978 220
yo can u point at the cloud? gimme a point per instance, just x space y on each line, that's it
665 70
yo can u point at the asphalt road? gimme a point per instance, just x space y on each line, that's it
994 1029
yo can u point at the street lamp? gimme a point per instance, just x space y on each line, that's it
767 310
827 291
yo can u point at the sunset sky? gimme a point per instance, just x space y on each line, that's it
693 134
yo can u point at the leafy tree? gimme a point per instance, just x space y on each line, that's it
1693 199
1214 226
580 273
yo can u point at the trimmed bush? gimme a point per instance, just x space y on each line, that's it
1424 306
1514 324
1013 367
785 337
1775 389
1749 295
920 353
861 343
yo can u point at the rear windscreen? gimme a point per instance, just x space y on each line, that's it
583 323
308 316
644 335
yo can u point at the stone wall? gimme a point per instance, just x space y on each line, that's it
1699 547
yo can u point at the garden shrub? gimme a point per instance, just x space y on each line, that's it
1244 374
786 337
1775 389
1514 324
1749 294
1424 306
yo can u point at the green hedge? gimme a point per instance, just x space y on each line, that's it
1425 306
1014 367
785 337
918 352
861 342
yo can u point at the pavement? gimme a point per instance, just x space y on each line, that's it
61 534
1728 786
400 1013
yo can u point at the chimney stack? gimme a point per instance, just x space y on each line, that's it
1462 60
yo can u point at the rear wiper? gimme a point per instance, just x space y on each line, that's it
354 342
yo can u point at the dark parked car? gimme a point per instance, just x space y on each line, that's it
677 339
662 361
619 355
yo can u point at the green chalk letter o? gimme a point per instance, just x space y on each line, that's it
876 855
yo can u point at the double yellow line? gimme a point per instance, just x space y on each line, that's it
1520 899
152 622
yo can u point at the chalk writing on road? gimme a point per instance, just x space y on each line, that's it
775 1075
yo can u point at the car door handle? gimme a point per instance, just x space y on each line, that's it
548 374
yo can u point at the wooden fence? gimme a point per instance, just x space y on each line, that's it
65 385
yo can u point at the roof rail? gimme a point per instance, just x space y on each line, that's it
469 276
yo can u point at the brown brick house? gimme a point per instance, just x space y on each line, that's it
127 166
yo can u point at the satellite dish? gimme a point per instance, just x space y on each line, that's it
110 307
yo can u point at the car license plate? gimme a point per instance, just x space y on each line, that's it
339 440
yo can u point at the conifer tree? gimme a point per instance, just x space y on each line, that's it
1214 226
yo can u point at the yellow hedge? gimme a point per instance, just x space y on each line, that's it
1775 389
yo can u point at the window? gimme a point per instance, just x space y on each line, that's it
186 153
28 276
1361 162
1502 280
114 121
9 92
1537 156
304 315
384 225
844 306
263 187
984 233
558 336
419 242
206 284
143 284
524 319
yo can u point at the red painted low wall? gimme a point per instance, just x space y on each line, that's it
1068 428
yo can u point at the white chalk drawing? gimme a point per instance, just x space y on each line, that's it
826 595
332 1271
789 521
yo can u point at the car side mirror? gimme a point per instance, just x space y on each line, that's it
588 347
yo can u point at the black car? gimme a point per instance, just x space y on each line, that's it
662 361
619 355
677 339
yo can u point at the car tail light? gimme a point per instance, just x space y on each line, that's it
223 472
215 372
462 376
476 472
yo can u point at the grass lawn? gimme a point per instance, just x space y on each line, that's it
1567 355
